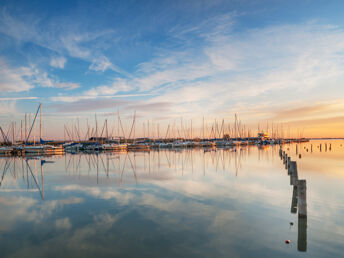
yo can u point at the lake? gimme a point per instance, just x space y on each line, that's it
235 202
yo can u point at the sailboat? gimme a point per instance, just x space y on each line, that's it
42 148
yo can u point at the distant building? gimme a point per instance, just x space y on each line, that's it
263 136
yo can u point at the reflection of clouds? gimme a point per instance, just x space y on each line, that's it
63 224
14 209
97 192
25 209
215 210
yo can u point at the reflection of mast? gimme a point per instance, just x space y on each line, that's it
42 179
120 179
132 167
34 178
7 164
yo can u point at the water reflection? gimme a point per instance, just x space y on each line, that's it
298 202
193 203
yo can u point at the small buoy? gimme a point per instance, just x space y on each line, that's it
291 223
287 241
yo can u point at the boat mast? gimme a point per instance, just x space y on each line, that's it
40 121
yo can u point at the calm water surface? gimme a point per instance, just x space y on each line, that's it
186 203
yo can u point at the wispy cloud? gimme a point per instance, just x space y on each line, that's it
68 39
13 79
101 64
58 62
17 98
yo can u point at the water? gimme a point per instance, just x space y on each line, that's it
187 203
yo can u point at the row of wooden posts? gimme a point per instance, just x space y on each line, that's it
299 200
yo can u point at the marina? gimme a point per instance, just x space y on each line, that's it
171 129
218 137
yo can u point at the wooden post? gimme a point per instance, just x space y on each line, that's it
320 147
302 200
311 147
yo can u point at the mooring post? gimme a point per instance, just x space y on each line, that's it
296 149
302 200
330 146
320 146
311 147
325 147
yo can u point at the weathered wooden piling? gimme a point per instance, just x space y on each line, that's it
320 146
330 147
302 235
311 147
325 147
288 162
296 149
302 200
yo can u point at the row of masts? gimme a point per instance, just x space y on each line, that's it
184 129
13 132
217 129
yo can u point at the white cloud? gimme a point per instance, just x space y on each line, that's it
13 79
101 64
95 96
17 98
58 62
67 85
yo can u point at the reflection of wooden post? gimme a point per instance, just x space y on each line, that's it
302 203
293 208
288 164
302 235
293 173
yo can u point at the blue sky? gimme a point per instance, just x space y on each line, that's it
172 59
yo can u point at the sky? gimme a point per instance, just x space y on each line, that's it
273 63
